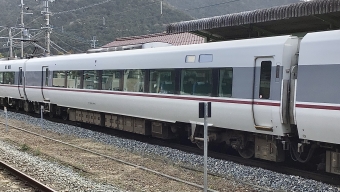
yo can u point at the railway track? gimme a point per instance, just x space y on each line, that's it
283 168
115 159
276 167
38 186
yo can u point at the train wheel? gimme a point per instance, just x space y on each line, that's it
249 151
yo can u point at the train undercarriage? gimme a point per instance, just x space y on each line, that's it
248 145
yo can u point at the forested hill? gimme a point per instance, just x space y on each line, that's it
75 22
209 8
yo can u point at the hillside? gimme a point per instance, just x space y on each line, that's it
73 30
75 22
204 8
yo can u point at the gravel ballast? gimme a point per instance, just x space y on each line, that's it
251 175
57 176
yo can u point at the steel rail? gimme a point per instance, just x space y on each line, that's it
283 168
113 158
29 180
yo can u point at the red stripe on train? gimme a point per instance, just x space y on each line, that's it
306 106
211 99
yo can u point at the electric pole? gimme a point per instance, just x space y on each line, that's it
22 25
10 42
47 27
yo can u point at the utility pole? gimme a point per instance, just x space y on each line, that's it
10 42
94 40
22 25
47 27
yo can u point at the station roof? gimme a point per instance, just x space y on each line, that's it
317 15
173 39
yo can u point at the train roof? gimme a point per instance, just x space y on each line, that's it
239 53
320 48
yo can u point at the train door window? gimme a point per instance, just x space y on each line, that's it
196 82
47 74
20 76
111 80
9 78
162 81
91 80
226 82
73 79
265 79
58 79
1 77
134 80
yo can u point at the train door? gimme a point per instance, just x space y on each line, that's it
261 105
44 83
21 84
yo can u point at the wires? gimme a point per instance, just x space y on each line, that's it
69 44
85 7
212 5
71 38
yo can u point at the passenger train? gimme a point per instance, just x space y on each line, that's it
272 98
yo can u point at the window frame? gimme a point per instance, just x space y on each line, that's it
220 81
53 78
159 86
139 80
262 78
194 82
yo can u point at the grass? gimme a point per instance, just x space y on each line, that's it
24 147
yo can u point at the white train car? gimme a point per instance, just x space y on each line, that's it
261 91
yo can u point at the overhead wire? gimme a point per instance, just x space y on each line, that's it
211 5
68 44
71 38
81 8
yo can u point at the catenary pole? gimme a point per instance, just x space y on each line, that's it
22 25
10 42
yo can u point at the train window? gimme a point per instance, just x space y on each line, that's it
225 82
162 81
196 82
47 75
58 79
112 80
73 79
1 77
265 78
91 80
134 80
206 58
190 59
8 78
20 76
